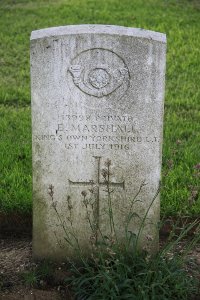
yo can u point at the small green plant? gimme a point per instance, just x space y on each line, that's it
124 271
42 272
30 278
45 271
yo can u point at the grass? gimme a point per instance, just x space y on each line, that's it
178 19
15 157
133 277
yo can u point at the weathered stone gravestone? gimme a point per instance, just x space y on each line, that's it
97 104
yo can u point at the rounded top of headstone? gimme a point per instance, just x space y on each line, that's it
98 29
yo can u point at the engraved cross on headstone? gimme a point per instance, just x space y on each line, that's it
97 184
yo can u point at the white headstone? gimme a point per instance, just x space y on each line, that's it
97 95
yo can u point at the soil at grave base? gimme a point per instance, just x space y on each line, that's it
16 258
15 224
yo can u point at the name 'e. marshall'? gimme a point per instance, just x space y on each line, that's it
81 128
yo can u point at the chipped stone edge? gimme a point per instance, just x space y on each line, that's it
98 29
